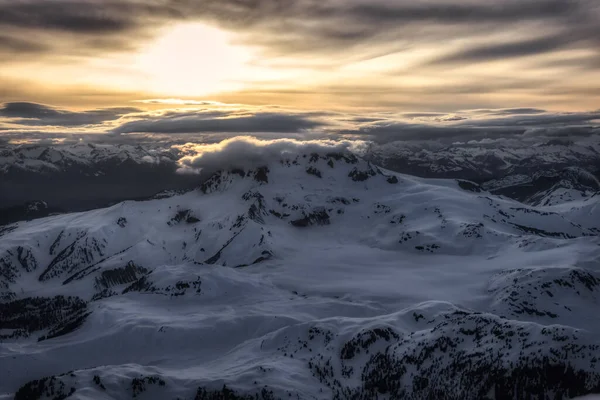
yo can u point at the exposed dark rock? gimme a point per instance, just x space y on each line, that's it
98 382
364 340
238 171
138 385
257 210
532 292
541 232
145 285
381 208
472 230
398 219
50 388
82 273
12 264
406 236
262 175
336 200
7 229
217 255
265 255
106 293
359 176
313 171
183 215
461 355
59 314
118 276
429 248
317 217
212 183
228 394
469 186
67 327
348 157
79 254
56 243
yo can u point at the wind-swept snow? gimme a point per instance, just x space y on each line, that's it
313 276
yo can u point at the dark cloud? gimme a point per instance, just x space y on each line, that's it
213 125
33 114
283 24
540 120
423 115
72 15
20 45
510 111
563 132
197 122
516 124
503 51
421 132
450 13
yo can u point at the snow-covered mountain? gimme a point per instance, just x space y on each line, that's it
481 161
87 157
313 276
83 176
547 187
546 173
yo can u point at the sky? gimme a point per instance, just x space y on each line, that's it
377 69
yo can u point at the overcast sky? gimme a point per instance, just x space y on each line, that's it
376 68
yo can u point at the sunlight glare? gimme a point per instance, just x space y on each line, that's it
192 60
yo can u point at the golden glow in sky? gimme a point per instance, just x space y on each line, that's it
193 60
200 67
394 55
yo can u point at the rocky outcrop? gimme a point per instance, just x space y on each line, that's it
56 316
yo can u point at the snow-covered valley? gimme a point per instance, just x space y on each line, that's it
313 276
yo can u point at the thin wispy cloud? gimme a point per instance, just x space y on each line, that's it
33 114
328 67
198 122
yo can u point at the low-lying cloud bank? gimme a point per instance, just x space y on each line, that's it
249 152
481 124
220 121
215 122
34 114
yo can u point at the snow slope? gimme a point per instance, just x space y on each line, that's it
315 276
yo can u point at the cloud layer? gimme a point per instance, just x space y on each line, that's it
407 54
214 122
332 22
219 121
33 114
249 152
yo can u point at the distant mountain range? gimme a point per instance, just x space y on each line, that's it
484 162
83 177
542 174
86 176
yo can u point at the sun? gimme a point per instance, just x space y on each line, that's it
193 60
